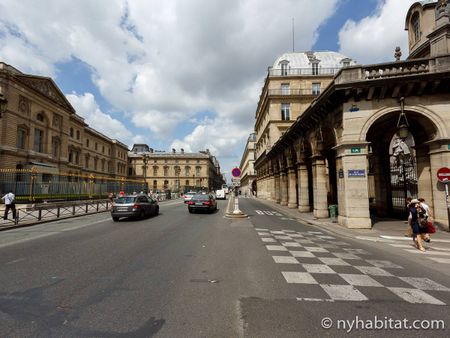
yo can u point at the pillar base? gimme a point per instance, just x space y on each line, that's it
355 222
292 205
320 213
304 208
283 203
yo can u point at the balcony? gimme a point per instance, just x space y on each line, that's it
291 92
303 72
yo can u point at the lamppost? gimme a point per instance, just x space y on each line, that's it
145 159
3 104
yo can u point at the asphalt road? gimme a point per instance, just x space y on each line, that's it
204 275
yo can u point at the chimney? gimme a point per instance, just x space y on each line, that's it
173 151
182 150
151 150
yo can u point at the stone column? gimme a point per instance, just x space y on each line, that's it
292 188
320 187
277 179
353 186
303 189
439 157
284 188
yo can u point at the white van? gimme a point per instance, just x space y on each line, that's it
220 194
225 188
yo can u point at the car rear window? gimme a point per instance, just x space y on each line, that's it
125 200
201 197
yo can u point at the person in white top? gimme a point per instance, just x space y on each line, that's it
10 203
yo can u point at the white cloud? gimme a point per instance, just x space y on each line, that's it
87 107
374 38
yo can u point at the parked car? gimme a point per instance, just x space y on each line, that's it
134 206
187 196
202 202
220 194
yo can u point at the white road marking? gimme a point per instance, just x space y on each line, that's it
360 280
441 260
383 264
304 254
276 248
333 261
261 229
268 240
299 277
289 230
357 251
318 268
285 260
278 232
345 255
315 249
415 296
429 253
402 245
264 234
315 232
343 292
291 244
424 284
403 238
326 237
315 300
296 235
373 271
268 213
259 212
283 237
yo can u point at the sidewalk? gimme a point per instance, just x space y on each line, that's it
381 230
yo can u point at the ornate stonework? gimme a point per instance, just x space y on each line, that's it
24 105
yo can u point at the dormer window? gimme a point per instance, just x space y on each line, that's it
415 22
315 68
284 67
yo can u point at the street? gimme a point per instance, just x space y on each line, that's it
204 275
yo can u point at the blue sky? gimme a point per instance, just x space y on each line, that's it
184 73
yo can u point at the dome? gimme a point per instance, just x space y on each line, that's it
325 59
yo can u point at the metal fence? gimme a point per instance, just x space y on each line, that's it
30 185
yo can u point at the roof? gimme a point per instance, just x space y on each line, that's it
326 59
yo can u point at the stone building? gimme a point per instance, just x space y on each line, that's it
377 134
175 171
40 129
248 173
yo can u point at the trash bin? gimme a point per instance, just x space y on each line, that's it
333 208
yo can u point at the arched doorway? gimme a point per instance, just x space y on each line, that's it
399 167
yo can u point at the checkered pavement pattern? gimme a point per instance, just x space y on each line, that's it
328 270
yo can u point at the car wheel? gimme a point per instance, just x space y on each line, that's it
191 211
115 219
157 211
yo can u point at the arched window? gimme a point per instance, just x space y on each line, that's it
71 132
40 117
415 23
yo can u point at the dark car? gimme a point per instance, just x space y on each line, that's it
202 202
134 206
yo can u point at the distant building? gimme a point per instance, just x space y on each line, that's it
176 170
248 174
40 129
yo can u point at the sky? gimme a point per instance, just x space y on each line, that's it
185 73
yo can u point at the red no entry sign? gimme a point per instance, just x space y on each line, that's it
443 174
236 172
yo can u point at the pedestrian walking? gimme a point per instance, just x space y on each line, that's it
426 237
10 203
408 232
417 223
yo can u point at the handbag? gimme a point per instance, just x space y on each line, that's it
431 228
423 223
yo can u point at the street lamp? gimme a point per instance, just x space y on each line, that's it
145 159
402 123
3 104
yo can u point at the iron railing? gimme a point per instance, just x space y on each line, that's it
289 92
303 71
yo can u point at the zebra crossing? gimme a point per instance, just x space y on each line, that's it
328 270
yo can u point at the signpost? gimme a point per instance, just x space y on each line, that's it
236 173
443 175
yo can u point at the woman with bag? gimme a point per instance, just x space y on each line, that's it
419 223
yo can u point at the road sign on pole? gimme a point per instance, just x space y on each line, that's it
443 174
236 172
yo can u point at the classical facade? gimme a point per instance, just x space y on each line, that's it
248 173
176 171
40 129
375 135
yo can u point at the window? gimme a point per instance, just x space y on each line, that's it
166 171
70 156
78 134
155 171
187 183
71 132
38 144
415 21
77 158
346 63
315 68
97 145
87 143
103 149
56 120
87 161
166 184
284 69
187 171
155 184
95 163
21 138
40 117
285 111
285 89
315 88
55 148
198 171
